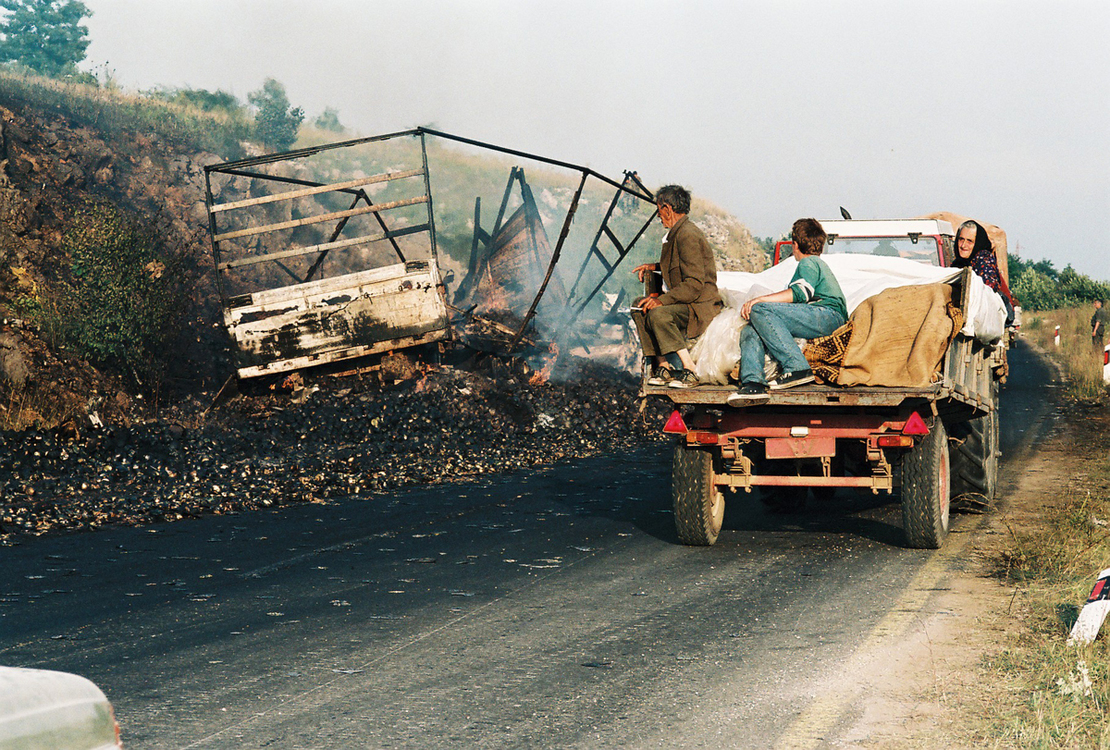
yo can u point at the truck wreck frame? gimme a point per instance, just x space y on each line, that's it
378 308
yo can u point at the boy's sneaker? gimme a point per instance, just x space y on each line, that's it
661 375
748 394
791 379
683 379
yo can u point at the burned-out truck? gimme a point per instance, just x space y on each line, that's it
930 442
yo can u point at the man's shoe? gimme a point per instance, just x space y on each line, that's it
683 379
748 394
791 379
661 375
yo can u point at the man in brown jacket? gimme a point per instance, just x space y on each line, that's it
666 322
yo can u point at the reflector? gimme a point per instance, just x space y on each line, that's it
915 425
895 441
675 423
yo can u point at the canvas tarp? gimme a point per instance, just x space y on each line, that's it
717 351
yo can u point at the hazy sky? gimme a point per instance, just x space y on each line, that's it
997 109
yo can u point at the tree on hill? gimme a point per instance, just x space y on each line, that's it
276 122
329 120
46 36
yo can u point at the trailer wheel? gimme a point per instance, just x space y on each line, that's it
974 459
699 505
926 490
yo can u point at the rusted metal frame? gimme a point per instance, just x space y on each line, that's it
322 248
535 157
777 480
554 259
212 238
472 266
359 194
316 190
279 178
321 218
831 425
309 151
573 318
428 194
648 195
331 240
387 233
594 249
432 228
514 173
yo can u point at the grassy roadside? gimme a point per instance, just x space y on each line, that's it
1043 693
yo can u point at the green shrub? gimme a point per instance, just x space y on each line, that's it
123 301
276 122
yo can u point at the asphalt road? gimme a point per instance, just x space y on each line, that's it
548 609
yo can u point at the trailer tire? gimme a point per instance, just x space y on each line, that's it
974 457
699 505
926 490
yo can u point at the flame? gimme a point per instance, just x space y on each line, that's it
541 376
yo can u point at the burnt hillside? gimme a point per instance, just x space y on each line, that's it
50 169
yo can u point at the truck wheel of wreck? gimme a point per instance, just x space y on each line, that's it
699 505
974 457
926 490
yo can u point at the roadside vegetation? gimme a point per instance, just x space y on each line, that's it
1044 693
1080 362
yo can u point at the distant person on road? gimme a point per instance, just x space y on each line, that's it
667 321
1098 324
812 305
973 248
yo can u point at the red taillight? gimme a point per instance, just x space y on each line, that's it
675 424
706 438
894 441
1106 356
915 425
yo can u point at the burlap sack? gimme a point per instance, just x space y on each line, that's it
896 338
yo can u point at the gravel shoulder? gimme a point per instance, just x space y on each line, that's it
931 688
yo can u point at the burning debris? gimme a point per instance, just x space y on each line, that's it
342 275
315 271
352 439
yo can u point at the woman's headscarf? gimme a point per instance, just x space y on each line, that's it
983 261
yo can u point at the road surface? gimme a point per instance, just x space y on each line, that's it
547 609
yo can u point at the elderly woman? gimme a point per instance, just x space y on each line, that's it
973 248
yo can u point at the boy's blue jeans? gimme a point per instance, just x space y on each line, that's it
772 328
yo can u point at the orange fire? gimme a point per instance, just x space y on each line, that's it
541 376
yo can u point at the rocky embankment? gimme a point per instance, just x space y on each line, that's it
352 438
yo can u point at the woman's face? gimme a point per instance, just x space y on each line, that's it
965 242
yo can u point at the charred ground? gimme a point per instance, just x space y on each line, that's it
351 438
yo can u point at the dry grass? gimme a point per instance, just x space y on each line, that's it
110 110
1081 363
1042 692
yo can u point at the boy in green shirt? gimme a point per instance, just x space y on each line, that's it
812 305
